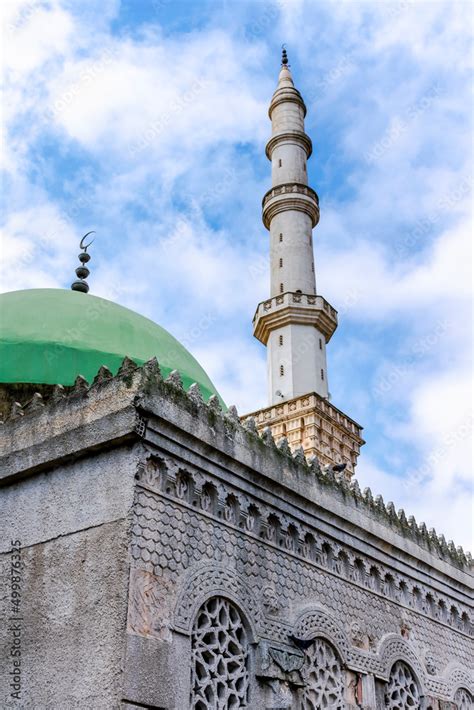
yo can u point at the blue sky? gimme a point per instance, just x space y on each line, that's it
146 120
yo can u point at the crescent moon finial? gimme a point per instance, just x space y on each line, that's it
82 271
85 246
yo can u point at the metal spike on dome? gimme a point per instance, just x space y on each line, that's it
82 271
35 404
127 367
195 394
284 56
174 378
16 411
80 387
214 404
103 375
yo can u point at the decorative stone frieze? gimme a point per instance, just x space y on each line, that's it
281 531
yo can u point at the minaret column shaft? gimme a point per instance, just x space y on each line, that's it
296 323
291 253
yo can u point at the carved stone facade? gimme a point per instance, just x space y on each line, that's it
234 574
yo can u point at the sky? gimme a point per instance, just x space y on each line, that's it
146 120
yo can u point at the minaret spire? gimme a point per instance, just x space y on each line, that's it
296 323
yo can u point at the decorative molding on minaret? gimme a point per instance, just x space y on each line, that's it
296 323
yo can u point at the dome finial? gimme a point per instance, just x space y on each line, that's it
284 56
82 272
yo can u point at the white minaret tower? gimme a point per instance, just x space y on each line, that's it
295 323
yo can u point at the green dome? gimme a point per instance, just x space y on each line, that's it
49 336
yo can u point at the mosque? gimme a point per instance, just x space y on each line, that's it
161 551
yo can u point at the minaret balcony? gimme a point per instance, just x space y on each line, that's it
290 196
286 94
289 308
293 137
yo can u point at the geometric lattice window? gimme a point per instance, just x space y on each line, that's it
402 690
464 700
220 658
324 679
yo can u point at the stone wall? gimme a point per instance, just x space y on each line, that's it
73 528
205 530
171 556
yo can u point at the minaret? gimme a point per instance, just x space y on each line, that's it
296 323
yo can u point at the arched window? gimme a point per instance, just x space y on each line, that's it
324 678
402 689
463 699
220 657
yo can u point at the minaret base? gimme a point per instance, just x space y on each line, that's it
315 424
